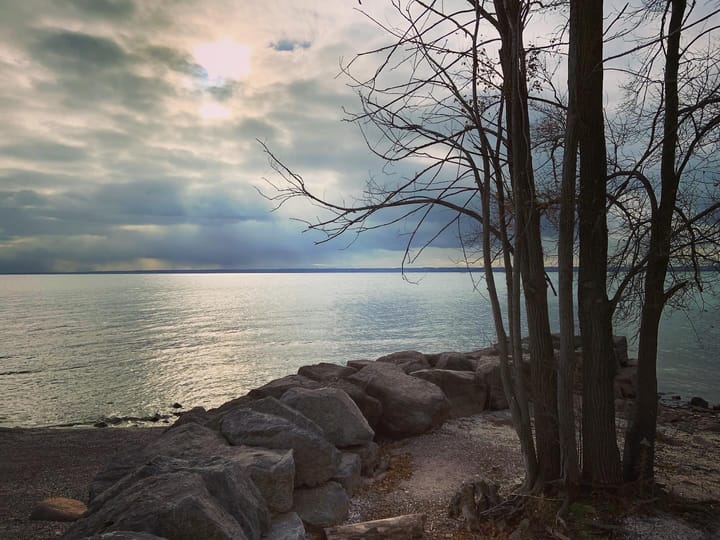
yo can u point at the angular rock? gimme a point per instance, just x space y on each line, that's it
197 415
270 405
322 506
335 413
489 371
272 471
189 441
348 473
370 407
359 364
456 361
325 372
466 391
408 361
225 479
316 460
286 526
369 457
173 505
278 387
58 509
410 405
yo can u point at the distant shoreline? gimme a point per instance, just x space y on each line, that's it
380 270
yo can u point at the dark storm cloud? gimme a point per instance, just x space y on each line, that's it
289 45
141 203
106 9
38 150
179 61
245 245
75 50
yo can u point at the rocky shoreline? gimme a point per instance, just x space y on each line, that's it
285 460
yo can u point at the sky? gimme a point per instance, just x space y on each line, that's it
129 133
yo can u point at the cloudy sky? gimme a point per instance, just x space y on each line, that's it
129 133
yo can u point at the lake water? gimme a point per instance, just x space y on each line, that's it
75 348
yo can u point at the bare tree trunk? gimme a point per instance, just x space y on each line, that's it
566 243
529 252
601 458
639 452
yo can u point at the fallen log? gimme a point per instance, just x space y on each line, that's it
408 527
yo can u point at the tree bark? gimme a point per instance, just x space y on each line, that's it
566 243
601 458
529 253
639 452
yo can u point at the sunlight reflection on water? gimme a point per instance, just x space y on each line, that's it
79 347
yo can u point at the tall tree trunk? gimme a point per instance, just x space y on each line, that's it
601 458
639 452
529 252
566 243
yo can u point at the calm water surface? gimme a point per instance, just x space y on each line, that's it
75 348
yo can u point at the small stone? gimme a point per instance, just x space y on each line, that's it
177 405
58 509
100 424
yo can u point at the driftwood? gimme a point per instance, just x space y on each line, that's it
408 527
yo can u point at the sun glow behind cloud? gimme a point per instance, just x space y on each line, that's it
223 60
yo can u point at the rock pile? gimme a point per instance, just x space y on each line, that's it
287 455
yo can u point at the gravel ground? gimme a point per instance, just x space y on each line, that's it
40 463
424 473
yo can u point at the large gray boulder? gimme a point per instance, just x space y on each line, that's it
190 441
411 406
272 471
226 479
408 361
370 407
335 413
197 415
369 455
322 506
177 505
325 372
488 371
270 405
276 388
348 474
286 526
316 460
467 392
456 361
